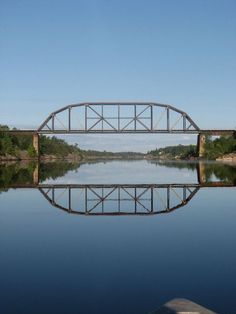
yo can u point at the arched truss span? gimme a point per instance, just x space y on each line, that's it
118 118
114 200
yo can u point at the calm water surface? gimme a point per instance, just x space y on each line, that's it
103 252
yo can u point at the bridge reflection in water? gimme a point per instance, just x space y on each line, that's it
121 199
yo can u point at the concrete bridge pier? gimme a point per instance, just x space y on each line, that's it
36 143
201 141
201 173
36 174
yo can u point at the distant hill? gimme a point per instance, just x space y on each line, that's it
90 154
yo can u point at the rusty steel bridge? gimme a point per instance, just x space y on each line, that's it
121 118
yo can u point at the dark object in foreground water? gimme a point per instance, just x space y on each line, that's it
181 306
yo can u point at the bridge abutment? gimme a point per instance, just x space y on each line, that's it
36 175
201 141
201 173
36 143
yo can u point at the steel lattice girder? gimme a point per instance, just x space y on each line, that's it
122 118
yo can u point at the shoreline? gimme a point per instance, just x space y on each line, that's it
69 159
51 159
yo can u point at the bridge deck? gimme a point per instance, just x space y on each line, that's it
60 132
161 185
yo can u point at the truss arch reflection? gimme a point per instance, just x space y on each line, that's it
119 199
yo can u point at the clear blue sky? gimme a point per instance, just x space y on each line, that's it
54 53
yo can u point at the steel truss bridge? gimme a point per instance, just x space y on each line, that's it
118 118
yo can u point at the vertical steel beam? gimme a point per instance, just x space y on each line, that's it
119 199
119 117
102 119
168 198
184 122
69 199
184 193
53 122
135 117
86 200
85 118
168 118
151 107
151 199
53 195
69 118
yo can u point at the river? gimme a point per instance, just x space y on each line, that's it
116 236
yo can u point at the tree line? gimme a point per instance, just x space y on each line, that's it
214 148
219 147
14 144
16 174
174 152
